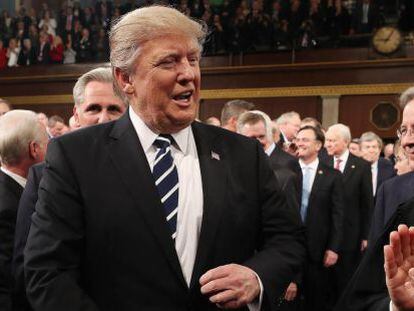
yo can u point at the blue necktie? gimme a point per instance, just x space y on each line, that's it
166 180
306 189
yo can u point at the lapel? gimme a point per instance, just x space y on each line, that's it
129 159
316 183
349 167
213 169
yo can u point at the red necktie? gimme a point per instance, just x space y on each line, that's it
338 164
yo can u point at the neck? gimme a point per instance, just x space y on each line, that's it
340 154
310 159
18 170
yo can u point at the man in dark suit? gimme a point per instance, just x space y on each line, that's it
176 215
23 142
256 124
381 169
231 111
288 125
365 18
391 194
322 208
358 197
95 103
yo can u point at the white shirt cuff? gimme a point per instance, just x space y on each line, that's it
256 304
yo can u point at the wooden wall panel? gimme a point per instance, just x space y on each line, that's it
63 110
274 107
354 111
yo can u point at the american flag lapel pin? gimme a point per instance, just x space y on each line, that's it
215 156
320 172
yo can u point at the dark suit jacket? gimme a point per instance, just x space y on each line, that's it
281 159
357 179
99 239
324 217
10 192
373 15
24 219
367 290
390 195
385 171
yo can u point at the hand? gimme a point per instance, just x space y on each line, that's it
231 286
398 265
291 292
330 258
364 244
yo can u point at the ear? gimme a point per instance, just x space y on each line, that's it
124 81
76 114
33 150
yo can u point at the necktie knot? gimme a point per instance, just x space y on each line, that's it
163 141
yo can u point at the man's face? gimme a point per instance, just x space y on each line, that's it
258 131
334 143
291 128
354 149
3 108
370 151
58 130
100 105
166 83
407 126
307 145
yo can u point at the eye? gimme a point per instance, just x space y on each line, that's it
193 60
93 108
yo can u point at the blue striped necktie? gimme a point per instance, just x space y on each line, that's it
166 180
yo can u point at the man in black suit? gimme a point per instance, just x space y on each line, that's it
23 142
257 124
381 169
365 18
322 208
288 124
231 111
158 211
358 200
95 103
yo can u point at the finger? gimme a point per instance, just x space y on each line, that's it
215 286
390 265
224 297
395 244
405 241
216 273
411 275
411 233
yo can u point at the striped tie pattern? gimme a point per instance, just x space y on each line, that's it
166 180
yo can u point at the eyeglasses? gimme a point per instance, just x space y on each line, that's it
403 131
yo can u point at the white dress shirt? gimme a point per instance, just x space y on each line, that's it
374 171
344 158
17 178
190 193
270 149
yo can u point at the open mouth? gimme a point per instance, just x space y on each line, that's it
409 148
183 97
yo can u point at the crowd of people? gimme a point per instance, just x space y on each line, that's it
80 34
152 209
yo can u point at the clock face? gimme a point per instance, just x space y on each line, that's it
387 40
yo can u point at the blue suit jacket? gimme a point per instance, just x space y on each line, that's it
392 193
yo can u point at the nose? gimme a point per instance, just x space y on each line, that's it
104 116
186 72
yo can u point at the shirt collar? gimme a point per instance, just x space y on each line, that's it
343 157
374 165
313 165
17 178
270 149
147 136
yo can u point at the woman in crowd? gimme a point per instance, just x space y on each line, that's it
50 22
13 53
56 51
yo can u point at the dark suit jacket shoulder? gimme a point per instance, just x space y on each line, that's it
99 239
10 192
385 171
391 194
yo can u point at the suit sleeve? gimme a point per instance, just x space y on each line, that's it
281 250
337 213
367 201
54 246
7 227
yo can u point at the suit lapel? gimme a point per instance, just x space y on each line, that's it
213 171
129 159
349 167
316 183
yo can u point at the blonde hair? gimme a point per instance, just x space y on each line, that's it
18 128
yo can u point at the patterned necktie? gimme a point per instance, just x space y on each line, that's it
306 189
338 162
166 180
